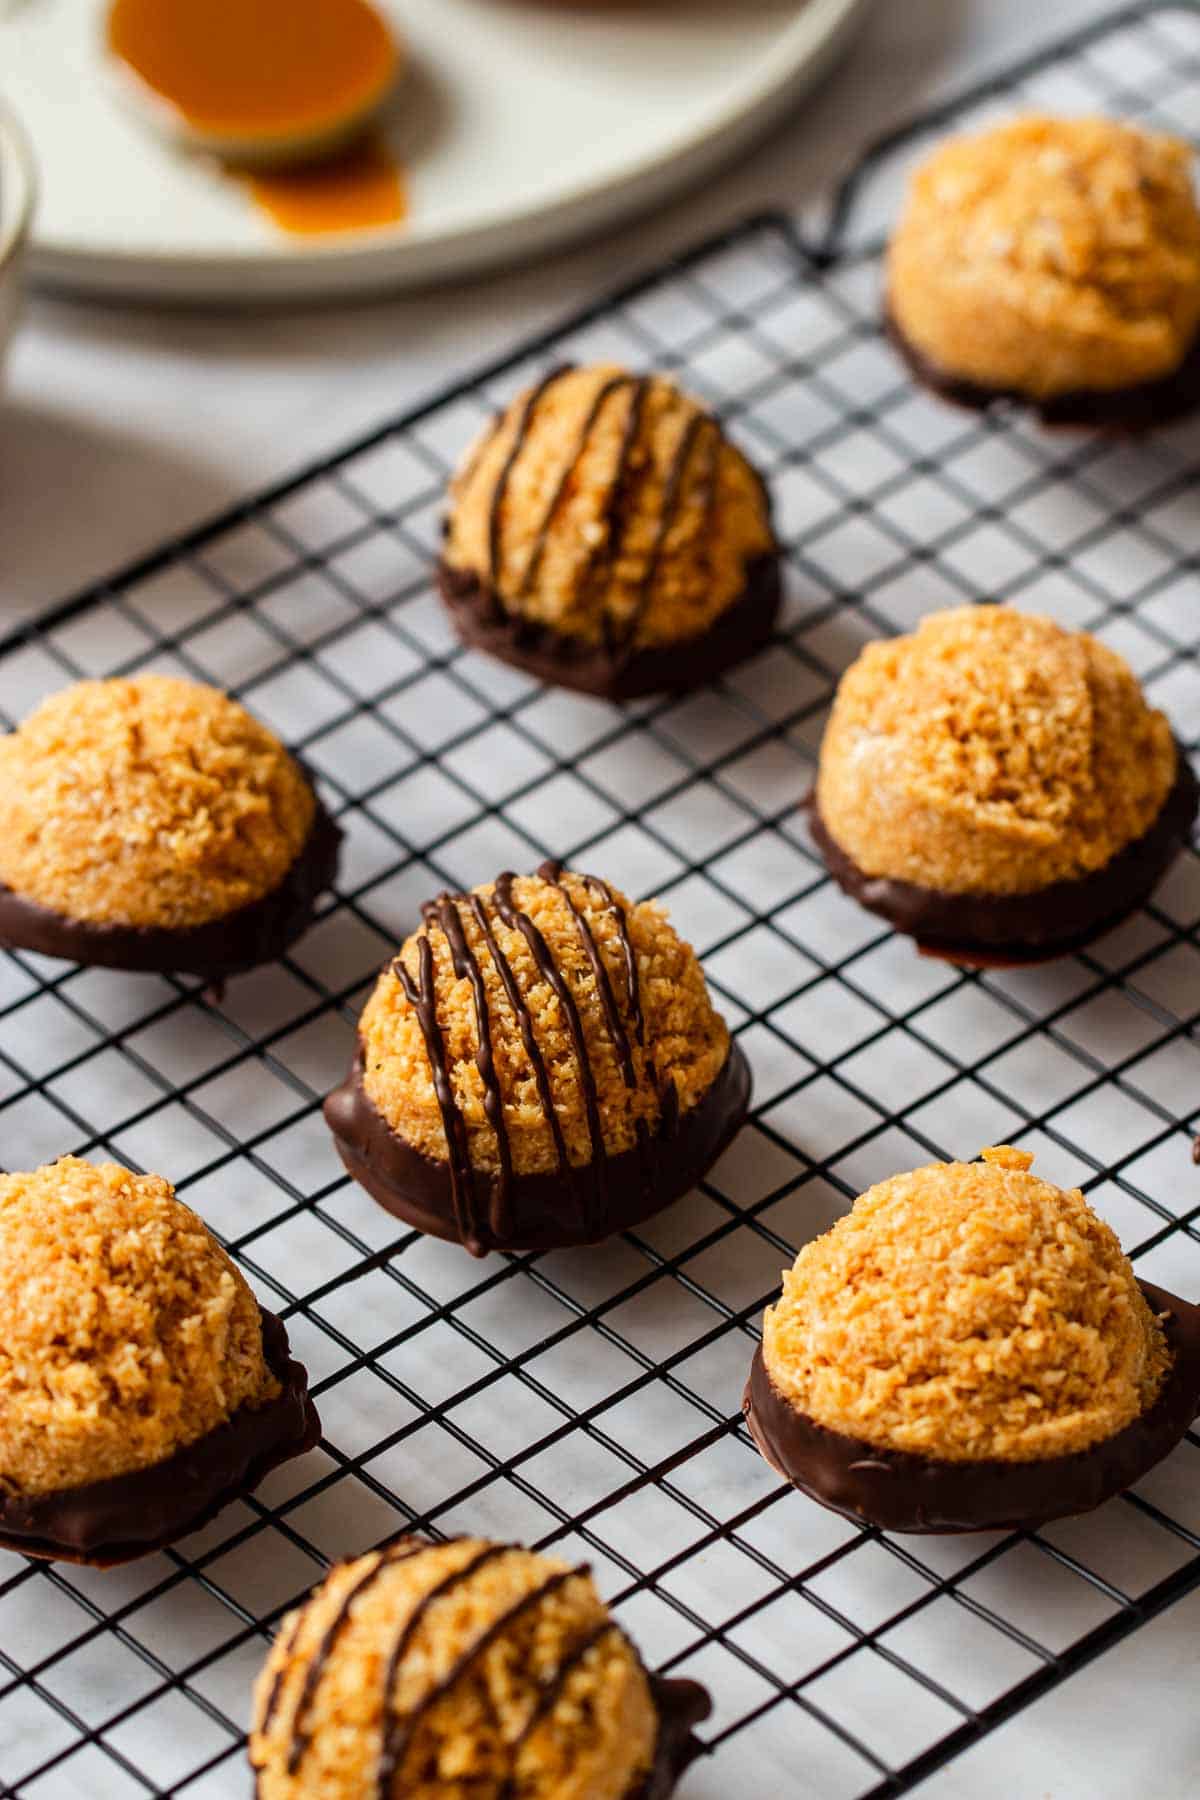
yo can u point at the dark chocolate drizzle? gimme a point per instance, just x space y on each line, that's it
668 1093
668 1100
400 1727
548 969
482 1209
633 989
551 872
614 385
501 1210
500 492
548 1211
396 1724
615 1025
473 1230
624 669
422 997
465 964
1127 411
126 1516
897 1491
284 1645
679 1705
525 1026
301 1735
551 1692
614 522
672 501
487 436
1003 929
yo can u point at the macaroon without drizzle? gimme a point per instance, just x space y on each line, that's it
1056 263
606 535
142 1388
998 787
541 1065
464 1671
969 1350
153 824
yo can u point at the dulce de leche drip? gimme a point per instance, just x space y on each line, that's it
359 187
258 73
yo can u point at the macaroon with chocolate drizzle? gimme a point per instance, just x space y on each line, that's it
142 1388
969 1350
541 1065
151 823
998 787
605 534
472 1671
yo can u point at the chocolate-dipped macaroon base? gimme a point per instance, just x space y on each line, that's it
998 930
241 940
611 672
897 1491
114 1521
681 1705
544 1211
1125 411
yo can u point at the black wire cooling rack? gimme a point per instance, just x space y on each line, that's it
589 1401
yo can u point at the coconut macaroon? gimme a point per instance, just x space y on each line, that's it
969 1348
606 534
1056 261
464 1671
141 1385
541 1065
152 823
998 787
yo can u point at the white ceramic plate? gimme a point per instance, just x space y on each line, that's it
17 192
522 123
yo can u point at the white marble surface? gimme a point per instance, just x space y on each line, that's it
120 427
1126 1726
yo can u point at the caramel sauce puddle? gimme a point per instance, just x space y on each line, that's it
280 90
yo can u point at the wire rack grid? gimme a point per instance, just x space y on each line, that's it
589 1400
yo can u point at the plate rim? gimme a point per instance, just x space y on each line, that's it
16 152
401 257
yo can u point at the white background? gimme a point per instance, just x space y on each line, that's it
121 427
